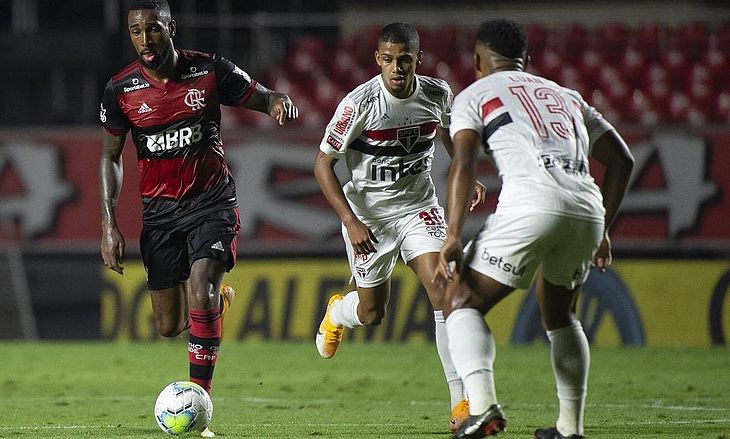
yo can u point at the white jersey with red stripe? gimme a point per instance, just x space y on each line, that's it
388 145
538 134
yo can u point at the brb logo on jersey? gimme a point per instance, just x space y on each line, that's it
408 137
195 99
173 138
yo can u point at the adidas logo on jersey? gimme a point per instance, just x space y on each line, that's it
144 108
218 246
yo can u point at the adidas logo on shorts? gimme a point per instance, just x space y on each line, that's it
218 246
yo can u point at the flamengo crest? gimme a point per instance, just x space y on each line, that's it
195 99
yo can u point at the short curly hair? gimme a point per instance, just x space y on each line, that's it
161 7
505 37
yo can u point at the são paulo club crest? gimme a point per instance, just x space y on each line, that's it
408 136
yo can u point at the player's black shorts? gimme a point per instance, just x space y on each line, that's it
167 254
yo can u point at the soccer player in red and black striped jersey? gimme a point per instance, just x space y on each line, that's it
169 100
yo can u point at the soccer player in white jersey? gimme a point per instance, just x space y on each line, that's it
551 219
385 131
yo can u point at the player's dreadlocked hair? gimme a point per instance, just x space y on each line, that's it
505 37
161 7
400 33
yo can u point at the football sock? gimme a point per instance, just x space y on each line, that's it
203 345
570 357
472 350
456 388
344 312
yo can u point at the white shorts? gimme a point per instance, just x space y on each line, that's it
410 236
510 248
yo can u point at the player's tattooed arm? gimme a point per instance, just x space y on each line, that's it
110 184
276 104
281 107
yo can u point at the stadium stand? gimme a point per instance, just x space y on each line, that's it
649 73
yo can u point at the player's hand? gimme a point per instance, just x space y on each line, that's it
449 261
602 258
480 195
363 239
112 248
282 108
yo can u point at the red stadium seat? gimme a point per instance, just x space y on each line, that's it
718 64
362 45
612 39
701 92
692 39
602 104
677 68
679 105
464 67
445 72
649 40
576 39
571 77
656 88
641 109
632 66
548 63
344 69
325 94
309 56
440 41
537 38
650 73
721 37
591 64
723 107
428 64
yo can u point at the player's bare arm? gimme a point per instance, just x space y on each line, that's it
461 180
480 191
361 236
611 151
275 104
110 184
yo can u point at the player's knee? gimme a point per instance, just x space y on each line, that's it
438 302
553 321
372 317
168 329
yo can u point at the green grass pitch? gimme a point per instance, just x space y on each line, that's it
369 390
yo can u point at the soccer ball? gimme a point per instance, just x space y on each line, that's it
183 406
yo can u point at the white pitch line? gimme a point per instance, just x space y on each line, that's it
329 425
54 427
266 400
253 424
679 422
259 400
654 405
623 406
